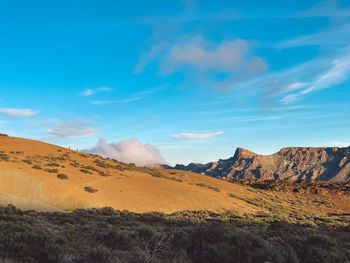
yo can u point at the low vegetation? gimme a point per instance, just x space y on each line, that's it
209 187
107 235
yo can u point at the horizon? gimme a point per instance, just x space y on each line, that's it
185 82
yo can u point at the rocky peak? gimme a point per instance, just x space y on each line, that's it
292 163
242 153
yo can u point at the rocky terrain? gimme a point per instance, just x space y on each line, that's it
292 163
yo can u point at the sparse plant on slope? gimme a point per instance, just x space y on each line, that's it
90 189
4 157
62 176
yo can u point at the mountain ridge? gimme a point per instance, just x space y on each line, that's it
289 163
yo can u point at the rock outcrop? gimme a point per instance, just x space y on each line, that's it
292 163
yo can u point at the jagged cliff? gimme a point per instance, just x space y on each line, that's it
292 163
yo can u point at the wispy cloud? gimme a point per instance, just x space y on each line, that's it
338 72
104 89
338 144
194 136
328 8
145 120
72 129
335 35
292 84
90 92
104 102
87 92
18 113
250 119
338 33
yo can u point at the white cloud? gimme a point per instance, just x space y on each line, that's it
72 129
18 113
87 92
191 136
128 151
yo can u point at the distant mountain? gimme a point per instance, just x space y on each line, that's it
292 163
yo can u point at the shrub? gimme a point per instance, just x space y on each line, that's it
115 239
27 161
106 211
22 241
145 231
320 248
100 254
53 164
4 157
75 164
209 187
62 176
102 173
90 189
219 244
36 166
85 171
51 170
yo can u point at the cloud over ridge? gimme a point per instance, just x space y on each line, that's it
128 151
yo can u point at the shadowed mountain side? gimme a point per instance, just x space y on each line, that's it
292 163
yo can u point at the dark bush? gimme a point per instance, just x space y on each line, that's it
116 239
4 157
145 231
219 244
90 189
320 248
21 241
62 176
53 164
36 166
85 171
53 171
27 161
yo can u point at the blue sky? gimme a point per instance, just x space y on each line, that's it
176 81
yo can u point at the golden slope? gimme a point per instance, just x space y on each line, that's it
122 187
